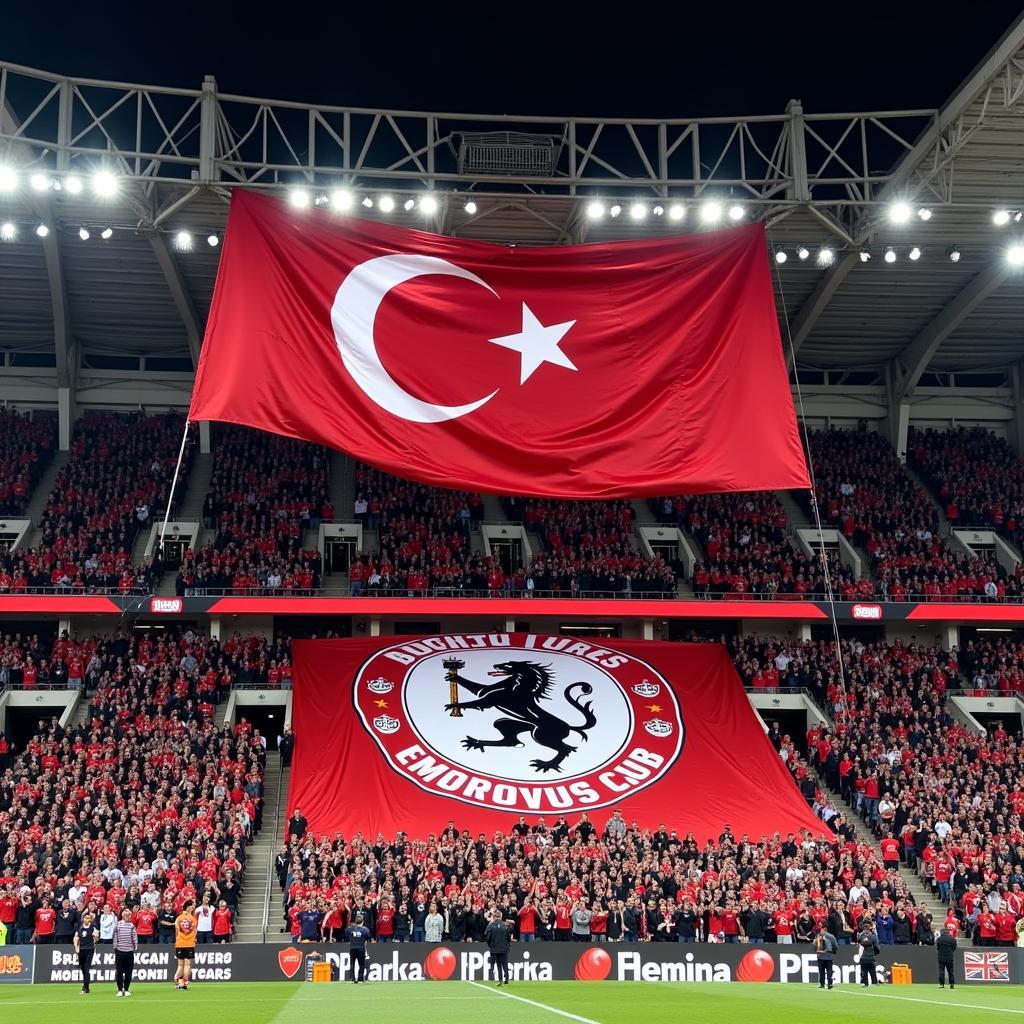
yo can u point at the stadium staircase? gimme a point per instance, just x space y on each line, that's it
37 502
944 528
921 894
261 894
796 517
195 488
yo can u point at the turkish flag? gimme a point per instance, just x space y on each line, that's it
625 369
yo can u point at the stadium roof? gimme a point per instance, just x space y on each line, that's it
820 181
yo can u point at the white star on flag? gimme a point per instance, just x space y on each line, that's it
537 344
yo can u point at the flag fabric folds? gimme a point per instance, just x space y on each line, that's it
409 733
612 369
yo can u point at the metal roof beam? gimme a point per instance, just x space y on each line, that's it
919 353
801 327
179 292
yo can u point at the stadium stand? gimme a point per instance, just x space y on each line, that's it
265 493
115 484
864 491
146 803
26 449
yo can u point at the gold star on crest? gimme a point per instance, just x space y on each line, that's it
381 703
654 708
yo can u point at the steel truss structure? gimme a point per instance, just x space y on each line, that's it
186 139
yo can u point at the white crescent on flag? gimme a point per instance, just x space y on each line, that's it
353 314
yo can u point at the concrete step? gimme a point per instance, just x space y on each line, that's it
944 527
494 512
40 495
795 514
197 487
917 889
342 485
644 514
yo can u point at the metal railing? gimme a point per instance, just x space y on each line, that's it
273 851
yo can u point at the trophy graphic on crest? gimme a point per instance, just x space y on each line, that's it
452 667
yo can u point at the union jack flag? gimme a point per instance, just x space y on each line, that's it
987 966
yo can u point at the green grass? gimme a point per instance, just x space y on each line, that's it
443 1002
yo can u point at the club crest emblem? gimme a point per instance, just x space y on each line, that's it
646 689
380 685
520 722
658 727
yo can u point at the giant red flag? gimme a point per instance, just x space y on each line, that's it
629 368
406 733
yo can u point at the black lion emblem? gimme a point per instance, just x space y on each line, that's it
523 684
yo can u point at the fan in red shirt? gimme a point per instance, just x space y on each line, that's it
784 922
223 923
528 922
563 921
46 922
145 925
890 852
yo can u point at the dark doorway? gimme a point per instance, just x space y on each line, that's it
174 551
509 554
303 627
269 720
23 723
792 723
702 630
1010 723
416 628
338 553
586 630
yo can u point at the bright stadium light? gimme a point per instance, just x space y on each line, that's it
106 234
899 213
428 205
8 232
39 182
183 240
615 210
638 211
1015 255
780 256
73 184
8 179
470 207
914 254
924 213
1001 218
299 198
826 256
736 212
595 209
104 184
42 231
711 211
213 240
408 204
83 234
803 252
386 204
890 255
954 254
341 199
864 255
676 211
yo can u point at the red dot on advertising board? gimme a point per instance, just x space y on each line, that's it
757 965
440 964
594 965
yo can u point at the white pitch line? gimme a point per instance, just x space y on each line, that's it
934 1002
530 1002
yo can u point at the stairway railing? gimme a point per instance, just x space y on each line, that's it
271 854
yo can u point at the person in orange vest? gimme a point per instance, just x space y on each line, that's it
186 927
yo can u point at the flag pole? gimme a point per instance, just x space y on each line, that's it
174 486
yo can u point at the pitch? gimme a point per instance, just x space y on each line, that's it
526 1003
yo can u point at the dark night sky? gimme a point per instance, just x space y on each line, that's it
693 63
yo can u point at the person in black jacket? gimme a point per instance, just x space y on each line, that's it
924 930
901 928
403 923
615 928
68 920
945 947
631 923
86 935
496 937
869 950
